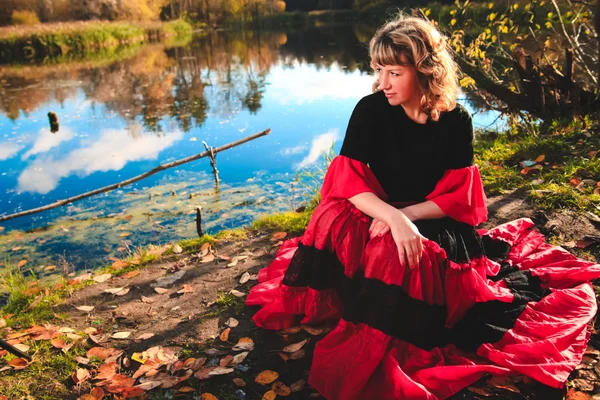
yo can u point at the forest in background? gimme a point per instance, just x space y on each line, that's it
28 12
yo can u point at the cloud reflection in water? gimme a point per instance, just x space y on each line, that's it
111 152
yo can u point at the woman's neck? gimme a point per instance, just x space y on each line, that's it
413 111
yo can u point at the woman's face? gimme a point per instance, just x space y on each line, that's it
399 83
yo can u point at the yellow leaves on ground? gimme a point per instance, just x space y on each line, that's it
225 335
278 236
266 377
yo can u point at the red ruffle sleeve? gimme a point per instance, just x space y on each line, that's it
347 177
459 193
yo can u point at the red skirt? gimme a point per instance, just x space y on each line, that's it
500 301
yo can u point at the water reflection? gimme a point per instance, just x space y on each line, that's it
121 117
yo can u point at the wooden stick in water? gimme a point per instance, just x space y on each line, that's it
129 181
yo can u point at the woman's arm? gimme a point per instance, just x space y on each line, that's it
426 210
405 234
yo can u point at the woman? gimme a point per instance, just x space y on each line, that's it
424 303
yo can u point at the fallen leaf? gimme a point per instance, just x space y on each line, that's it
208 258
583 243
80 375
85 308
59 344
22 347
160 290
186 289
82 360
278 236
592 153
245 278
574 181
67 347
147 300
21 263
540 158
113 290
102 352
18 363
50 268
501 382
125 234
297 386
106 371
291 330
239 358
481 391
292 348
314 330
281 389
145 336
102 278
237 293
220 371
244 343
123 292
202 374
98 393
131 274
208 396
573 394
121 335
119 264
297 355
266 377
122 384
239 382
283 356
186 389
232 322
270 395
177 249
16 248
225 335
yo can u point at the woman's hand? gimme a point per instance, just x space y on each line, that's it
407 238
377 228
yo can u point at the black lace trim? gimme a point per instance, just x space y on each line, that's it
389 309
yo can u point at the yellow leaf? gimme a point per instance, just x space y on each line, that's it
270 395
125 234
266 377
492 16
225 335
453 22
278 236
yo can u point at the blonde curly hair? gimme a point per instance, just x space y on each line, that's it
418 43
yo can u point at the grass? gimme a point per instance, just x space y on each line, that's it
291 222
84 39
566 177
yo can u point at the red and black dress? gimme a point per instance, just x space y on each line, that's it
498 301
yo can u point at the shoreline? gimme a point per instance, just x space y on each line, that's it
46 42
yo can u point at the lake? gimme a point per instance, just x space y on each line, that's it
122 116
